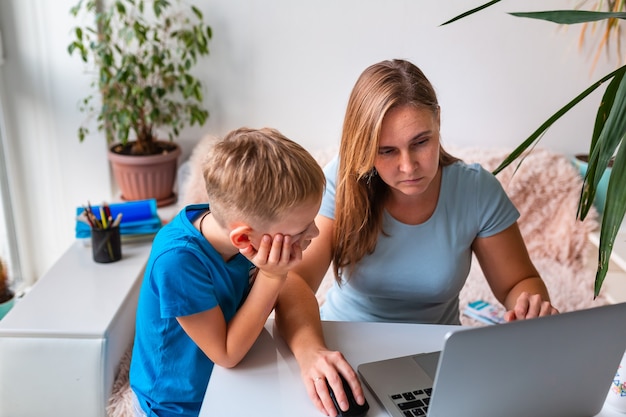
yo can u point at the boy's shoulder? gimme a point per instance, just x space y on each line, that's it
180 228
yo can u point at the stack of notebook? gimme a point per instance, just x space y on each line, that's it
139 219
485 312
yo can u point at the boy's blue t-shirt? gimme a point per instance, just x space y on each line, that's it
416 272
184 275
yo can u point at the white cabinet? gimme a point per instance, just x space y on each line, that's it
61 344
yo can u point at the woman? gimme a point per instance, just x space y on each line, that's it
399 222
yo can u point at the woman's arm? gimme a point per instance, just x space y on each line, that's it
298 322
512 276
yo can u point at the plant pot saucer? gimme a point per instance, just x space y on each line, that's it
161 202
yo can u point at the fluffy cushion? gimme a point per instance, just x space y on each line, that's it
192 190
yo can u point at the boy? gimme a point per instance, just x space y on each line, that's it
215 271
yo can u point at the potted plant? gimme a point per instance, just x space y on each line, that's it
7 297
144 53
608 136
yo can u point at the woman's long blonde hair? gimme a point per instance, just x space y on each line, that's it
360 196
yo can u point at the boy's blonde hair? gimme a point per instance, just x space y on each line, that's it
257 175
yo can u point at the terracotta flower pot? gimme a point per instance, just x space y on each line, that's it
143 177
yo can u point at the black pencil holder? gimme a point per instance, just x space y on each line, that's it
106 244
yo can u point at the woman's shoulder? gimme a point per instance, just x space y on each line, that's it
470 178
468 171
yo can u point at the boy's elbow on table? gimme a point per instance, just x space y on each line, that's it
227 362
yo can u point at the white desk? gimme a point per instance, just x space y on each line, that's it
61 344
267 382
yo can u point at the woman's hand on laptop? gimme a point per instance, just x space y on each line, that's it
530 306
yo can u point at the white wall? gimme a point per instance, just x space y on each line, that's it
289 64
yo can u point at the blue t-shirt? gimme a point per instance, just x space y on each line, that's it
416 272
184 275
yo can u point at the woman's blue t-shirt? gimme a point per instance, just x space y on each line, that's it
416 272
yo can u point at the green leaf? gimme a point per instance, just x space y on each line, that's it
159 6
470 12
612 217
605 107
197 12
82 133
606 138
569 17
75 9
71 47
197 92
121 9
542 129
612 132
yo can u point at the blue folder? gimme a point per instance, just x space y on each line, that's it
138 218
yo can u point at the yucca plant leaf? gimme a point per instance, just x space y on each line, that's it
608 131
605 106
612 217
545 125
469 12
608 136
602 150
570 17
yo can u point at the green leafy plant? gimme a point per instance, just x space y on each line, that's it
144 58
606 140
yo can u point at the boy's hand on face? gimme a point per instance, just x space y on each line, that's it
275 256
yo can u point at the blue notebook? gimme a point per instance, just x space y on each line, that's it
138 218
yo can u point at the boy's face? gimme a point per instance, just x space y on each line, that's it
298 222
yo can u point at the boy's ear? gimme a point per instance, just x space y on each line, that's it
240 236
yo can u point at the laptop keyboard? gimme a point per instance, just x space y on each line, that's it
413 403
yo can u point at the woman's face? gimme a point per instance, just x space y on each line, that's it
408 152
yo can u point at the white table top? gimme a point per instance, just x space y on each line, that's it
267 382
90 294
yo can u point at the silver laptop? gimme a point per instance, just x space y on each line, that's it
557 366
